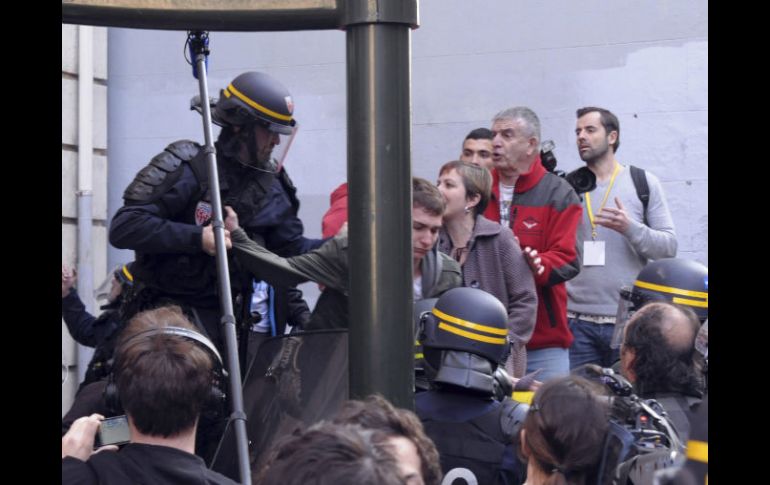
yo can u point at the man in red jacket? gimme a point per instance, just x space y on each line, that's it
543 211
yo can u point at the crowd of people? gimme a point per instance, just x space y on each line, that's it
517 272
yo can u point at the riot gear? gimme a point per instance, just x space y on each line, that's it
468 320
255 97
674 280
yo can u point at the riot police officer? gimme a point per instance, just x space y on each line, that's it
675 280
464 337
168 208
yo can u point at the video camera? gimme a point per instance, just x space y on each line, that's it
582 179
641 440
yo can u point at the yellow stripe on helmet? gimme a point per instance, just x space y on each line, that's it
471 325
688 302
671 289
127 274
254 104
470 335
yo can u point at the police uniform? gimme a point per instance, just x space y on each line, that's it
474 436
464 336
169 202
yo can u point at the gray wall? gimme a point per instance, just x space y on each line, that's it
646 61
69 179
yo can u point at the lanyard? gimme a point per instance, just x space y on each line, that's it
604 201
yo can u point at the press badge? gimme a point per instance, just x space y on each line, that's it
593 253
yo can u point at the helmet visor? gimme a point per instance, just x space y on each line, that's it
281 151
626 308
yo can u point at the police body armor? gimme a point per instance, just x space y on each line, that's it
192 277
473 451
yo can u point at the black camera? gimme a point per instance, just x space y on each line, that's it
582 179
640 439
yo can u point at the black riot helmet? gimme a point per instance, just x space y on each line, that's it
255 97
674 280
469 320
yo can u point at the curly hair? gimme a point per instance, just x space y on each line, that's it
375 412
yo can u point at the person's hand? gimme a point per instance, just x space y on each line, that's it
534 261
612 218
208 243
68 279
79 440
527 382
231 219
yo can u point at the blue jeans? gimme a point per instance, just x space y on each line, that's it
591 344
554 361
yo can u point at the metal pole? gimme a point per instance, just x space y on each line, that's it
238 417
379 212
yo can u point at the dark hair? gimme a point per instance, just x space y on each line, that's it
163 380
480 134
662 336
426 196
376 413
565 430
476 180
609 122
331 454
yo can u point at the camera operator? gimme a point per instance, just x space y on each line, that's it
464 338
165 374
617 239
658 357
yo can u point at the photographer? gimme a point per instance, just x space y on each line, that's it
164 374
658 358
626 222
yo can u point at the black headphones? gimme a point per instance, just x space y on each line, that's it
217 398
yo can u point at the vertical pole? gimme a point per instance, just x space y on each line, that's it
379 212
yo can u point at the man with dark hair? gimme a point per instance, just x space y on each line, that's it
332 454
543 211
617 239
167 214
415 452
658 358
163 379
477 148
433 272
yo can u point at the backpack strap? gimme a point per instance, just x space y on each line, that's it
642 189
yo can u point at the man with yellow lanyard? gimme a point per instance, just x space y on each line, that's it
618 235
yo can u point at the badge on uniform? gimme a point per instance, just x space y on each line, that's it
202 213
593 253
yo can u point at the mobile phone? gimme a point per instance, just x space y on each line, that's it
112 431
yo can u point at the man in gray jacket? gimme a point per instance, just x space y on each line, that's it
433 272
618 235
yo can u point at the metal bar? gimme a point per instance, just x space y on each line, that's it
379 212
219 15
225 297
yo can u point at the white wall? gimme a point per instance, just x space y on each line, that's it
645 61
69 176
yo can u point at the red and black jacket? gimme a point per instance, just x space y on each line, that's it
545 214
